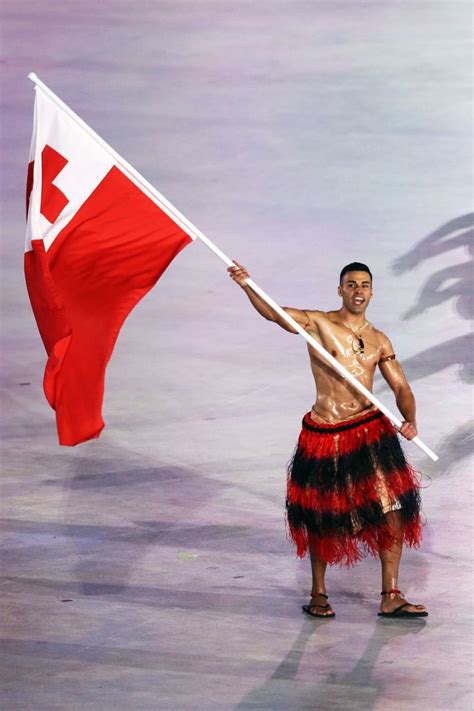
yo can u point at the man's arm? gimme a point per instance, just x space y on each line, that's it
395 377
239 274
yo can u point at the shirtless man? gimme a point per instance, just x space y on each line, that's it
333 510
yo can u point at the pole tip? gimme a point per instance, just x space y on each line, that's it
33 76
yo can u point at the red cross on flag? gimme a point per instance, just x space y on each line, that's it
98 238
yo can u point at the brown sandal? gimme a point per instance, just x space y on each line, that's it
308 608
400 611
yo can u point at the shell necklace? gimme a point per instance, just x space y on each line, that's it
360 347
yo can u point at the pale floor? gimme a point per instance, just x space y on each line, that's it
150 569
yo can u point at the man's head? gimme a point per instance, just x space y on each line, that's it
355 287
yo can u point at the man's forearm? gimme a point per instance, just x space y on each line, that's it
407 405
260 305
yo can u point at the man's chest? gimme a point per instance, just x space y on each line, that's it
351 348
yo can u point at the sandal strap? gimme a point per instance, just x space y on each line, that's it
313 594
400 608
392 591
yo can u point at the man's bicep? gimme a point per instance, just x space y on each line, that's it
387 352
298 315
390 367
393 373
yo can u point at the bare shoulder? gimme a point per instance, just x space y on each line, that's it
325 320
315 313
384 341
317 318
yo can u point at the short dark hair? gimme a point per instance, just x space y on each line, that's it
355 267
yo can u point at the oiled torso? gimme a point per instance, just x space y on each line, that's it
336 399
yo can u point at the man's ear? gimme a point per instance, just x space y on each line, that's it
339 291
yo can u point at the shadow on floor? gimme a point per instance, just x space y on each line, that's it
356 690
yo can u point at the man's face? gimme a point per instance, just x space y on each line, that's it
356 291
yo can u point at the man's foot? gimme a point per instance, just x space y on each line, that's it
319 606
394 605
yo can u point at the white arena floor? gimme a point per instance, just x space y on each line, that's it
150 569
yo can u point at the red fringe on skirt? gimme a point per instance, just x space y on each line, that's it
342 481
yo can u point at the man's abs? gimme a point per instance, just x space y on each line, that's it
333 417
336 399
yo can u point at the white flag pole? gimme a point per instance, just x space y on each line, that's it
195 233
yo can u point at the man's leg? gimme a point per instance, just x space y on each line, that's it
318 602
390 559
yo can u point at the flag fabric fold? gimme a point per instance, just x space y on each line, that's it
96 243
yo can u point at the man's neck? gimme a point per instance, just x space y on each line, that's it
354 321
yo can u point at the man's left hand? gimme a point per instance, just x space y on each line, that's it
408 430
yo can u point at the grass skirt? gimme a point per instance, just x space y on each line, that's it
342 481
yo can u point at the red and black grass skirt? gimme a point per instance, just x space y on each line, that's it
342 481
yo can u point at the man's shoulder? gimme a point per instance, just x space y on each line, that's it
381 336
318 319
318 315
325 318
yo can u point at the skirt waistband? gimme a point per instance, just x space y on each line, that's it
328 428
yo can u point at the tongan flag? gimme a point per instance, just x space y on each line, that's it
97 241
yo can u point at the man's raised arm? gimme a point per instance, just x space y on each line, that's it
239 274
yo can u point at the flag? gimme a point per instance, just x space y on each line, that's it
97 241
